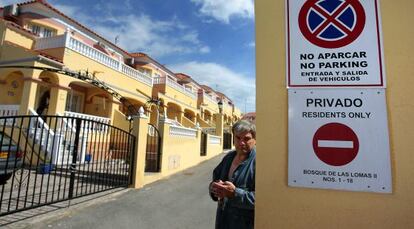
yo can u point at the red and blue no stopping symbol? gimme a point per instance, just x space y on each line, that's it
331 23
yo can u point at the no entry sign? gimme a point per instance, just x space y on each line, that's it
334 43
338 139
335 144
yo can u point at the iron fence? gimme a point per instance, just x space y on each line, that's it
49 159
227 140
153 150
203 144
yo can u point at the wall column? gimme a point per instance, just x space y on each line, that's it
140 131
57 102
28 97
115 107
30 87
219 124
164 129
180 115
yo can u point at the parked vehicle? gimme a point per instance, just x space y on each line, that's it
10 158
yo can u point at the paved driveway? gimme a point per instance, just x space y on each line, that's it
181 201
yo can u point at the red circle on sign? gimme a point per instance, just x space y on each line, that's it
335 144
351 34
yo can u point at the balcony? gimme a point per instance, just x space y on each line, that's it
209 98
70 42
171 83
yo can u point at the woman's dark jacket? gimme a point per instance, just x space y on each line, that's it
237 212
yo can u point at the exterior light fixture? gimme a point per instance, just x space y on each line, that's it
220 106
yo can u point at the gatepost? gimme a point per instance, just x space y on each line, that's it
140 131
219 127
164 129
199 136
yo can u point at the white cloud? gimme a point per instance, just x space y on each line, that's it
70 11
223 10
8 2
251 44
141 33
157 38
234 85
205 49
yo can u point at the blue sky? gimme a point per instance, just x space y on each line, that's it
213 41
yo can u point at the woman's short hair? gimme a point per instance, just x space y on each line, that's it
242 126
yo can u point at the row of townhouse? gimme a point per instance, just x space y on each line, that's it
34 33
55 72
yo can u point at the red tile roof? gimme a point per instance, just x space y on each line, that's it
222 95
139 54
250 116
186 78
207 88
182 76
151 60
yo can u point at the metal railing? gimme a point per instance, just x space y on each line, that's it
33 175
227 140
153 150
203 144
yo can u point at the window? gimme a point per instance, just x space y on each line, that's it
146 71
35 29
74 102
41 31
47 32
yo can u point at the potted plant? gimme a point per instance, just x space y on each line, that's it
45 166
88 158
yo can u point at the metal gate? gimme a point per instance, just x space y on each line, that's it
203 144
227 140
153 151
49 159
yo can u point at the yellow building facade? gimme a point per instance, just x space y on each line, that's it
281 206
37 35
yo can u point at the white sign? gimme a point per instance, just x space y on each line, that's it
338 139
334 43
